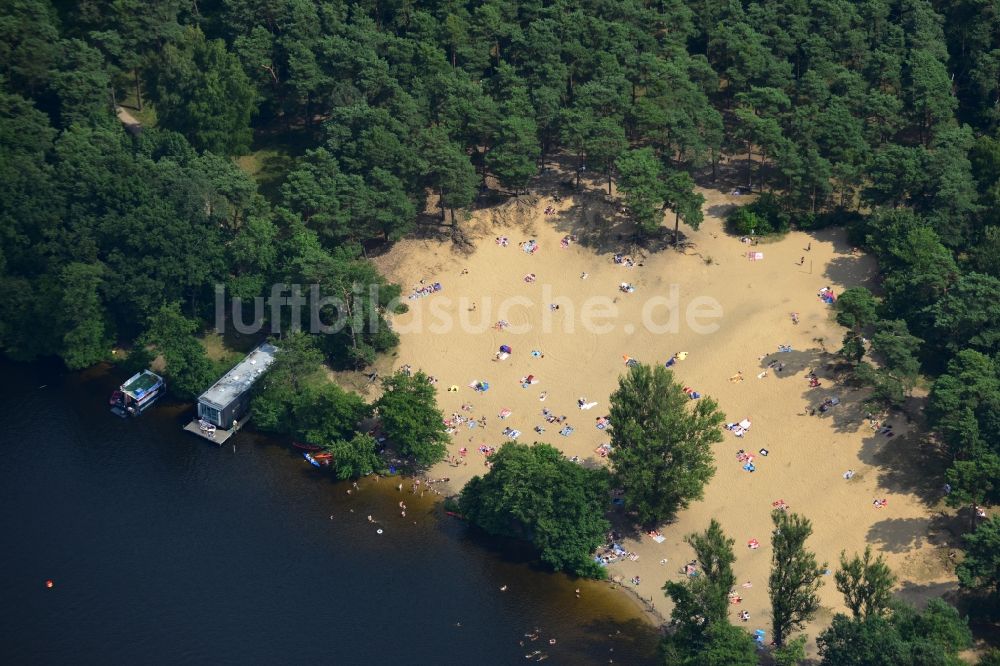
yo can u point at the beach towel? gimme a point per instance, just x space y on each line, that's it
588 405
659 538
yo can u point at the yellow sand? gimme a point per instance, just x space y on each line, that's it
808 454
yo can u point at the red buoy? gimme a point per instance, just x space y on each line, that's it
49 584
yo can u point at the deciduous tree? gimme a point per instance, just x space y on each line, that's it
536 493
866 583
702 601
661 442
795 575
411 419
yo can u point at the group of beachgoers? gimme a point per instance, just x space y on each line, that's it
425 290
613 551
624 260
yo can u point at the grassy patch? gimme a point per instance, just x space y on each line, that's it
272 156
269 167
228 350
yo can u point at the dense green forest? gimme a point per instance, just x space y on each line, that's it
395 115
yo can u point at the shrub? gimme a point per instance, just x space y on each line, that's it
744 222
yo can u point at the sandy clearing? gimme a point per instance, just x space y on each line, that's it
807 454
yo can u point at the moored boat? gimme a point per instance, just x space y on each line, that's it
312 461
137 394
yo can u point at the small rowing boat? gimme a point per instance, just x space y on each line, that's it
312 461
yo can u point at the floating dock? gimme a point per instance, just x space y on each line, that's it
219 435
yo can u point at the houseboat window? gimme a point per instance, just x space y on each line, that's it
210 414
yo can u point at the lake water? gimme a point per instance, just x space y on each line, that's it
164 548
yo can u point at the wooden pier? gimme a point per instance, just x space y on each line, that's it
220 435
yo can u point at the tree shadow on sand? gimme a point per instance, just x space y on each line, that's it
918 595
905 463
795 362
851 270
596 225
899 535
623 522
721 210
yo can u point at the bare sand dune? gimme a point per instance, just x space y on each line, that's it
807 455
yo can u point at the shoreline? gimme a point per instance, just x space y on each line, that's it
646 608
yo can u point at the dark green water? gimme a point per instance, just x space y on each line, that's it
165 549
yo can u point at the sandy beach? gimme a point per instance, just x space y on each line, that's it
733 315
